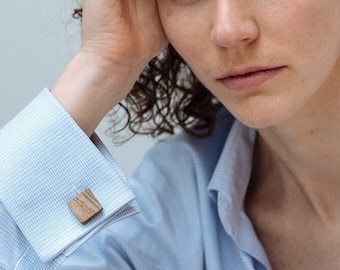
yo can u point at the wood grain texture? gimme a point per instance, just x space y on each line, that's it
85 206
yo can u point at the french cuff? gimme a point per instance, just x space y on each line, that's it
46 159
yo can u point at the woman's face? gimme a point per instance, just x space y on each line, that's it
263 59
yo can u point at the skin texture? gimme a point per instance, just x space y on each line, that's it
118 39
295 181
240 34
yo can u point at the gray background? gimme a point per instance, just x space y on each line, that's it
37 39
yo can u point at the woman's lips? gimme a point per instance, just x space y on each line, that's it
250 79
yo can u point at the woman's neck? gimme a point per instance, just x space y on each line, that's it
299 161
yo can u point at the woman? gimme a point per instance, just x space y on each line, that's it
259 192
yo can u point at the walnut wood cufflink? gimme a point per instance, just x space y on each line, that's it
85 206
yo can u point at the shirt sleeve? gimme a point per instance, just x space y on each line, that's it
45 160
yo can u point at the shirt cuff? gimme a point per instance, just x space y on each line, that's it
45 159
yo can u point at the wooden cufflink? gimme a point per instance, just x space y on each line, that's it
85 206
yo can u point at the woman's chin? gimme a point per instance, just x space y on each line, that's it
261 121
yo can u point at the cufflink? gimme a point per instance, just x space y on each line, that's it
85 206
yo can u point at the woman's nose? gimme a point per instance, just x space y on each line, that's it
233 24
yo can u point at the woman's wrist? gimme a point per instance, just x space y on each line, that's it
89 87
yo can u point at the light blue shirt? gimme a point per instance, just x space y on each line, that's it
183 208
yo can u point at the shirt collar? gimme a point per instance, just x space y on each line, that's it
233 169
228 187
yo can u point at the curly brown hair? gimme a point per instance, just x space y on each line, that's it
166 96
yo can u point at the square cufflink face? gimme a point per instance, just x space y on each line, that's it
85 206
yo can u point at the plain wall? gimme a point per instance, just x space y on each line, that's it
37 39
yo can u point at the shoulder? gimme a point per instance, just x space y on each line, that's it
174 169
183 153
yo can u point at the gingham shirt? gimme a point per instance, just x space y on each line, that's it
189 191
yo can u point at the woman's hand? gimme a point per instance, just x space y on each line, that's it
119 37
122 31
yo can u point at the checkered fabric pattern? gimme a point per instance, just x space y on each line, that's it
45 158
